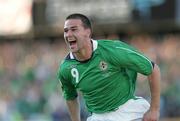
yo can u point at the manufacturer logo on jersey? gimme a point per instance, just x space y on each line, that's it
103 65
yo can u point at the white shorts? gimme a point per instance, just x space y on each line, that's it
132 110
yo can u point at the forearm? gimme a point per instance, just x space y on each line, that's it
154 81
74 109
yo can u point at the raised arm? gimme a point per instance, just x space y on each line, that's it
154 81
74 109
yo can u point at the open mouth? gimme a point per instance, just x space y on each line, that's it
72 42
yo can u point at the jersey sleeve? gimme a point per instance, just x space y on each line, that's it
68 89
128 57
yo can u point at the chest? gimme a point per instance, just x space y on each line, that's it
93 74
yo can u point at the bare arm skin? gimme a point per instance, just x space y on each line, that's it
74 109
154 81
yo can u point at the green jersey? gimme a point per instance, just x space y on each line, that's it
107 80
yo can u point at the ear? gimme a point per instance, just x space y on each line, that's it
89 33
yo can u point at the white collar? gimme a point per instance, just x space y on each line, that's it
94 44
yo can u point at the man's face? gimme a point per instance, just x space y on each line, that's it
76 35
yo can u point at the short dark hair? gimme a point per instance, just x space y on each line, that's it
85 20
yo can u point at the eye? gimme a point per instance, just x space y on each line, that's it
73 29
65 30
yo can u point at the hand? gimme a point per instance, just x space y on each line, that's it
151 115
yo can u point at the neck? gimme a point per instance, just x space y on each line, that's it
85 53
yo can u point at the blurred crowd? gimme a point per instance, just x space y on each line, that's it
30 90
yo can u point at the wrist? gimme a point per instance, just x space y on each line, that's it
154 109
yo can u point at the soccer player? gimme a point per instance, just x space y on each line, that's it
105 72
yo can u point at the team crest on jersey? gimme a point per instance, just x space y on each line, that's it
103 65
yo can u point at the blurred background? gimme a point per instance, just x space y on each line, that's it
32 46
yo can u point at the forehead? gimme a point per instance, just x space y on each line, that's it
72 23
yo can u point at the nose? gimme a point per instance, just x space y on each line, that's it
68 33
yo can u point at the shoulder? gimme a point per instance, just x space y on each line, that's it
63 70
65 63
115 47
111 44
105 42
